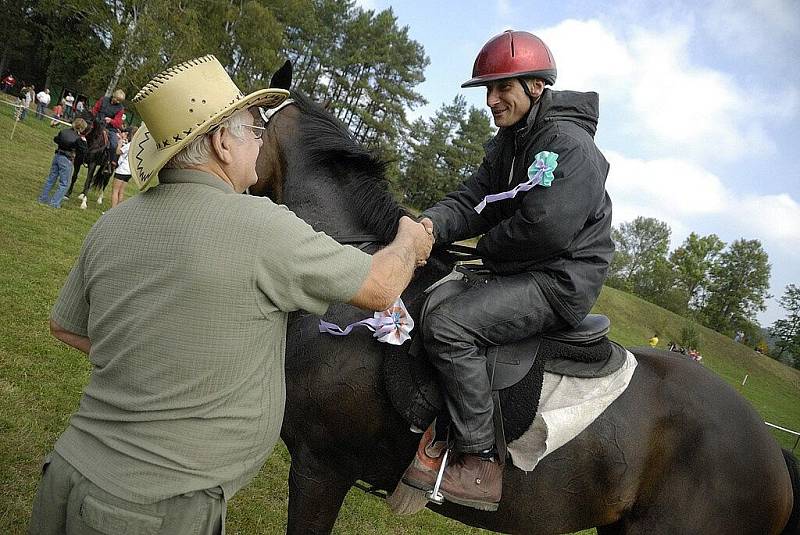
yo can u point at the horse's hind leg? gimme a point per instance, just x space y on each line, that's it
316 492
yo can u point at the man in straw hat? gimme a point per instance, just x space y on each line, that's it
180 298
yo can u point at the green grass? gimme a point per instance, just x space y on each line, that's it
41 379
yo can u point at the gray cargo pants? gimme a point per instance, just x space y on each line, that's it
490 310
68 503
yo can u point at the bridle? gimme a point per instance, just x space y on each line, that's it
360 241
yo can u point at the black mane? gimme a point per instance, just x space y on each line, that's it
331 145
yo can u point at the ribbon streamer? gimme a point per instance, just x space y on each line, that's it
392 326
540 172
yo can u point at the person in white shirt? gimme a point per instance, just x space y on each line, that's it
123 171
42 101
69 102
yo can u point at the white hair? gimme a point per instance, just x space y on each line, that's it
198 151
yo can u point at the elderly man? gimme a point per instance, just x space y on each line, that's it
538 203
180 299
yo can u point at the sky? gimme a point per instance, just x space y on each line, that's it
699 104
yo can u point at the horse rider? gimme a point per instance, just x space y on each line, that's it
108 112
180 298
546 240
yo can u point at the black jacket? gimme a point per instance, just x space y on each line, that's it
560 234
68 140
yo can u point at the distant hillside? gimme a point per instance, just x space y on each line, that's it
772 387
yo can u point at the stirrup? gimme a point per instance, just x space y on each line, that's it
434 496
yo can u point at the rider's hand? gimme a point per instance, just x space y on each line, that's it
422 239
428 224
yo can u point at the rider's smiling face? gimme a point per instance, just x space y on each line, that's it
507 101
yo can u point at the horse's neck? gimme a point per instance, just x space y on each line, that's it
319 202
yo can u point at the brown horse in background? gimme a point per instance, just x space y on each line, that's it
95 158
678 452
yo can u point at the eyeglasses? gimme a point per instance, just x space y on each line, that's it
258 131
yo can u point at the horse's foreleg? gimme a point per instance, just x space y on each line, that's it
75 171
88 183
316 492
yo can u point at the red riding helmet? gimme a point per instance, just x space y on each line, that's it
513 54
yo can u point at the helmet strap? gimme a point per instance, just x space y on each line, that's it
528 92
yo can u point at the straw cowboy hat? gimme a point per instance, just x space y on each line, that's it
181 103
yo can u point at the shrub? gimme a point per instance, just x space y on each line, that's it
689 336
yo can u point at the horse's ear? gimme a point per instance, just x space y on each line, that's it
282 79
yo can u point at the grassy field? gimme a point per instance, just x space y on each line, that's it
41 379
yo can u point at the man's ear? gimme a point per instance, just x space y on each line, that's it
536 87
220 144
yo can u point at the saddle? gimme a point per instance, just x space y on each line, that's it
516 371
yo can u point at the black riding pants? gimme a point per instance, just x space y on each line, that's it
491 310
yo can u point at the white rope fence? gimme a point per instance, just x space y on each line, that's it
796 433
18 114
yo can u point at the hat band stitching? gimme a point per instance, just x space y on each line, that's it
166 75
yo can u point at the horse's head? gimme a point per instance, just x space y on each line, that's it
312 163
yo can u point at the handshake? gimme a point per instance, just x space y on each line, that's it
418 235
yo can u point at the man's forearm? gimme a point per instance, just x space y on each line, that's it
391 271
81 343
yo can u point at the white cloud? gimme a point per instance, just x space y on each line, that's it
650 83
773 217
756 28
688 198
588 55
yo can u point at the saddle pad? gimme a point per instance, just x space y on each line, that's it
567 406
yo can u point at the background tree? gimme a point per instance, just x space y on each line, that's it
445 150
787 331
738 288
692 263
641 248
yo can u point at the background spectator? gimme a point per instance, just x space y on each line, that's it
42 102
26 97
8 83
57 113
68 141
69 103
123 172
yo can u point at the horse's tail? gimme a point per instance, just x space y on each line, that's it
793 525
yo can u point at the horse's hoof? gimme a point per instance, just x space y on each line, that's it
406 500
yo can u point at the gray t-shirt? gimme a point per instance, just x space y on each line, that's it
184 292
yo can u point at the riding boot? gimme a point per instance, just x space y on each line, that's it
422 471
475 481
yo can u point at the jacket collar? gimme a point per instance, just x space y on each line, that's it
192 176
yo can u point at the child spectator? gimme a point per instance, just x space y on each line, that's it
58 110
123 172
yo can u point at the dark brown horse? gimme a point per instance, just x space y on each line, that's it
679 452
95 158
